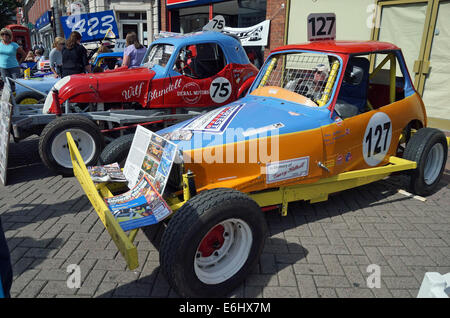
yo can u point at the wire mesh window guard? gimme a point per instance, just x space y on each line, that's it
302 73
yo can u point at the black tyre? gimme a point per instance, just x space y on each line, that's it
53 147
29 98
428 147
116 151
212 243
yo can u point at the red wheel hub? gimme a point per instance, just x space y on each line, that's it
212 241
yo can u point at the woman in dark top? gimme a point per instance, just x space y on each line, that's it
74 56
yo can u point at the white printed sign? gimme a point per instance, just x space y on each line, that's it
287 169
321 26
119 46
377 138
256 35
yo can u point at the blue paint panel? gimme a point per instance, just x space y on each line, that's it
252 121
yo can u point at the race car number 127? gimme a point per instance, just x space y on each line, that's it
377 138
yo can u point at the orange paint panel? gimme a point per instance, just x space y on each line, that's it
242 165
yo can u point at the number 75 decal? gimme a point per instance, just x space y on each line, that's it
377 138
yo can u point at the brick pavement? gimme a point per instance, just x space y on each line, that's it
318 250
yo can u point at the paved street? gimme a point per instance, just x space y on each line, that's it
319 250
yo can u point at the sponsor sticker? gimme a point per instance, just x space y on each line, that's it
215 121
348 157
287 169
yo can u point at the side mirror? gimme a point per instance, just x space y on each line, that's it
354 76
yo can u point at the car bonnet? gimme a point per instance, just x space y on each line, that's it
248 118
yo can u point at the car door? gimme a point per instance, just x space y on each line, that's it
200 77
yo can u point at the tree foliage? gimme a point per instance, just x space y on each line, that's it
7 11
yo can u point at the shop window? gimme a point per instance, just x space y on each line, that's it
200 61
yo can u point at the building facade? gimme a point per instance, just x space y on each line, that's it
190 16
141 17
421 28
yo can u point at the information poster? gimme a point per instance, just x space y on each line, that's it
147 170
150 155
140 206
5 124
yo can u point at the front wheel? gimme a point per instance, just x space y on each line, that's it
116 151
428 148
211 244
53 147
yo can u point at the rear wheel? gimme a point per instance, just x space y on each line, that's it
53 147
211 244
428 148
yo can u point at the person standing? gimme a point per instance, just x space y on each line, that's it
56 56
9 65
74 56
134 51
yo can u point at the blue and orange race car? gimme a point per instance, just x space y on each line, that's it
319 118
317 113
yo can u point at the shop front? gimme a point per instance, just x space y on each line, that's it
140 17
45 32
191 16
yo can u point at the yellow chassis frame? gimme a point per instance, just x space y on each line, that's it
315 192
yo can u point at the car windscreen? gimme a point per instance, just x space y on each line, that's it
158 54
304 73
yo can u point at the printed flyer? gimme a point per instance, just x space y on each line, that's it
138 207
107 173
150 155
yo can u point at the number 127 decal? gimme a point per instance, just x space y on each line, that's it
377 138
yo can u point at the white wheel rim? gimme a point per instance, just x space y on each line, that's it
227 259
433 164
85 144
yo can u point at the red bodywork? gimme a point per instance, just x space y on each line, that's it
137 85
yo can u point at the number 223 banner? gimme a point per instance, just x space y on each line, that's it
92 26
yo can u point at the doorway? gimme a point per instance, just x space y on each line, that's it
421 28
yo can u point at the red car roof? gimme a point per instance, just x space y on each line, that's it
345 47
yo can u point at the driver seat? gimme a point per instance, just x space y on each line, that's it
356 94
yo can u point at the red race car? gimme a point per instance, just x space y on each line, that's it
200 70
179 73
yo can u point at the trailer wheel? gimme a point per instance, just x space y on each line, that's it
29 98
117 150
212 243
53 147
428 147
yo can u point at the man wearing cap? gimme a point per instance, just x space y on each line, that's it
9 65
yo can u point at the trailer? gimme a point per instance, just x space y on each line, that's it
91 129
